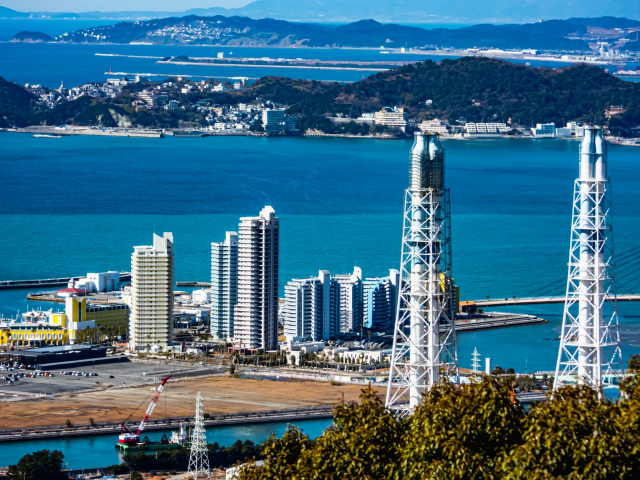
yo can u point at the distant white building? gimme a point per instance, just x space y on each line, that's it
350 300
98 282
391 118
563 132
434 126
544 130
218 88
201 296
224 284
471 128
275 121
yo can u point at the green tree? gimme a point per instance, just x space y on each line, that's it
40 465
474 431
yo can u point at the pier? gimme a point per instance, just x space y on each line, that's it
493 320
510 302
49 282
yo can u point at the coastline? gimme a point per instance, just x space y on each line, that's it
73 130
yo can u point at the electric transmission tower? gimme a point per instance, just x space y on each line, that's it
424 344
475 364
199 458
590 342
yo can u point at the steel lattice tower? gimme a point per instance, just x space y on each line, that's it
590 342
424 344
199 458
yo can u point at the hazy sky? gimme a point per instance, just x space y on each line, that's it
116 5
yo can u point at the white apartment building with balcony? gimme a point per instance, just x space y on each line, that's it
349 300
151 318
224 284
434 126
256 314
310 311
391 118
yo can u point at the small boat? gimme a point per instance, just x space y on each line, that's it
45 135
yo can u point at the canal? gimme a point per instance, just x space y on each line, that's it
99 450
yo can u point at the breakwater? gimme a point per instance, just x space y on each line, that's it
48 282
241 418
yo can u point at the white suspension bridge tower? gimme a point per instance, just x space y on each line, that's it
424 345
590 343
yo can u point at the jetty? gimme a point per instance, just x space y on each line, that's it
49 282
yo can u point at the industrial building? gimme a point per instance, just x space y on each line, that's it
256 313
80 322
224 284
62 356
151 322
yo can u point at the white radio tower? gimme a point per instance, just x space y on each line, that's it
590 343
424 344
199 458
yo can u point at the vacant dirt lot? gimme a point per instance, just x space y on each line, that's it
220 395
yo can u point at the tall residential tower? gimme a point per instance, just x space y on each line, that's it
256 314
151 319
224 284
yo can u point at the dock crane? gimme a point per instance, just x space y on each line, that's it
127 437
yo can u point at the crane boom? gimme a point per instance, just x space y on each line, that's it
152 405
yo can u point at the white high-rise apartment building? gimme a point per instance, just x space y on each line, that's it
349 300
151 319
311 308
224 284
256 314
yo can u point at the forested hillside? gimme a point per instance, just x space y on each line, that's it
475 89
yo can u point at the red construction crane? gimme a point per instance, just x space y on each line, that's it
127 437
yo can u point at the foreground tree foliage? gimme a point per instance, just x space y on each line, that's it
40 465
473 432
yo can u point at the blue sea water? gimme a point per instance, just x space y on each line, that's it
99 450
79 204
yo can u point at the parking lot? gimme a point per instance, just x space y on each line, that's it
116 374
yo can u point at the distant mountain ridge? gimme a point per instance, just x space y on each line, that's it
558 35
397 11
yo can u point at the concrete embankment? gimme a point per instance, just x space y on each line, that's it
110 428
494 320
78 130
48 282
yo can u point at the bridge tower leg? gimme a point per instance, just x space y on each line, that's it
424 345
589 351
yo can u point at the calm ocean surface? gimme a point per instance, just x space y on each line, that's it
78 204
